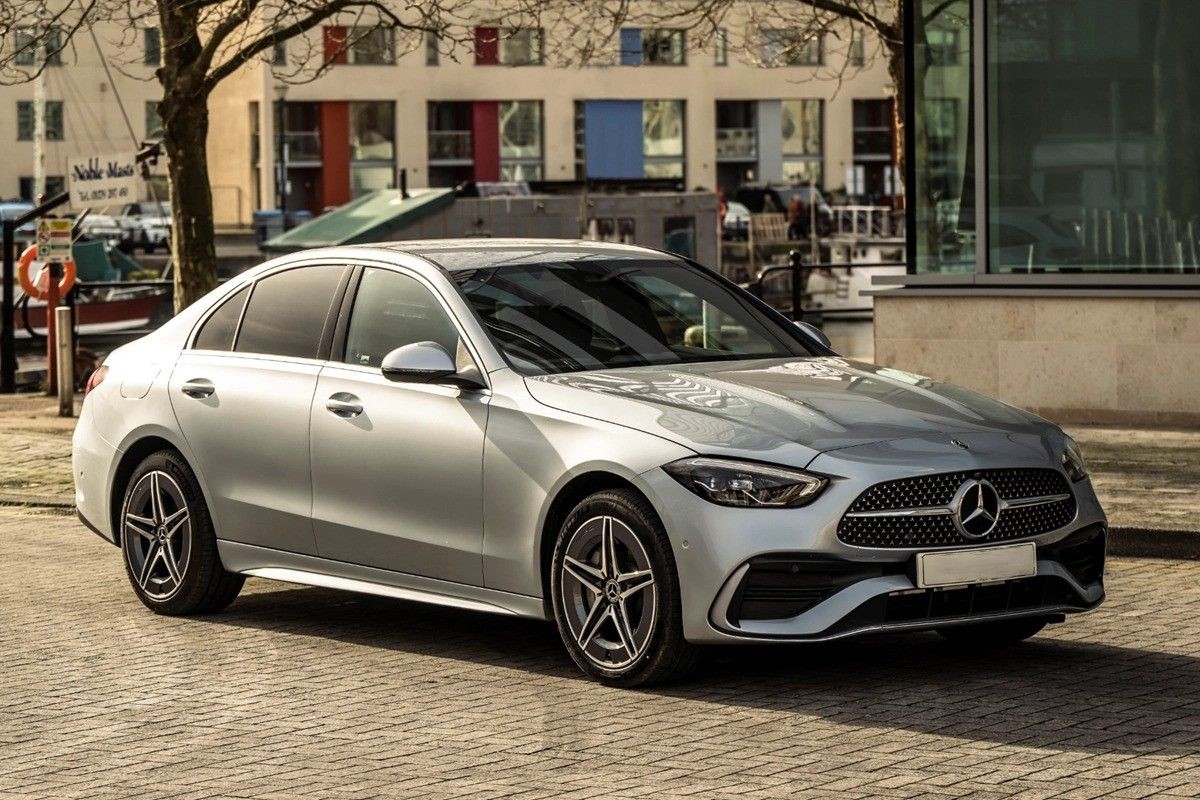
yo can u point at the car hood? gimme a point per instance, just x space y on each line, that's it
781 410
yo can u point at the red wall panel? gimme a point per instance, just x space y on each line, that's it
335 153
486 48
335 41
485 139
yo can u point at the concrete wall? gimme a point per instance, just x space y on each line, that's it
1070 359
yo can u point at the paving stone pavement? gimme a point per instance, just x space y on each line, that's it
300 692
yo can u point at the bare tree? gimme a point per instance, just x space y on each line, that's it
203 43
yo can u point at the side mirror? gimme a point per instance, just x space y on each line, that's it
815 333
421 362
428 362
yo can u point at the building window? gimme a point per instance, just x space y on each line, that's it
663 47
721 48
374 45
432 52
151 47
154 126
279 54
27 44
737 134
54 121
858 47
55 185
802 141
662 138
372 146
521 140
943 46
512 47
784 47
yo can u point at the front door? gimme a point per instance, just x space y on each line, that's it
397 469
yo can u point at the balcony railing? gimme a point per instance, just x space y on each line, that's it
450 146
737 142
303 145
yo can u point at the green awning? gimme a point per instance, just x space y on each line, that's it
370 218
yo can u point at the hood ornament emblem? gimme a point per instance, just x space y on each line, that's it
958 443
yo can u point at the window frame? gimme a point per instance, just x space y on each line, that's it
336 353
323 346
50 137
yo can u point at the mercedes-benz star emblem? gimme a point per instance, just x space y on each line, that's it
976 509
958 443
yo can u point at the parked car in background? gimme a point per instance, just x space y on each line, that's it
147 225
612 438
737 221
777 197
11 209
103 228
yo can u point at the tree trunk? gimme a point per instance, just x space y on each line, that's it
185 138
895 58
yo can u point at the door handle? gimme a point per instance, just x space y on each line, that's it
198 387
344 404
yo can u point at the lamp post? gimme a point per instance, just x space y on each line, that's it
281 150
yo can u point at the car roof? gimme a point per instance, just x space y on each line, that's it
476 253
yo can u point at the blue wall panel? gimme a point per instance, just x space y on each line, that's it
631 46
612 131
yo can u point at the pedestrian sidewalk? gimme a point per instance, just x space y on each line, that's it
1147 479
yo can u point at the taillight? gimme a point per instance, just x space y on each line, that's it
95 379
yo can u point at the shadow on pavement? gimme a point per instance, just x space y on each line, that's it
1047 693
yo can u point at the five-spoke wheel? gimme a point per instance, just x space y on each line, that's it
168 540
616 593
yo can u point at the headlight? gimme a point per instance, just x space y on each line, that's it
1072 460
746 484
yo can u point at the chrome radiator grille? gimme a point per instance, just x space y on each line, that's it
929 510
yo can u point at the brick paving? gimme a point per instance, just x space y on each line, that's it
298 692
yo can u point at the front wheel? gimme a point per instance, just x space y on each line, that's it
615 593
993 634
169 543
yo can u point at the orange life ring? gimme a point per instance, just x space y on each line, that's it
38 287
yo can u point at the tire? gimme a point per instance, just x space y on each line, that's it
591 598
993 634
169 545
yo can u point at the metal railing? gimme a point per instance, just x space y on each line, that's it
797 269
450 146
868 222
737 142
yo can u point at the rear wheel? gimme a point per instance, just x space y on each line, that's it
993 634
168 541
615 592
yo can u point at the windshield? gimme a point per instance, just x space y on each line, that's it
604 313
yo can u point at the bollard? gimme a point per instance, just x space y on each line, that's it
65 361
55 273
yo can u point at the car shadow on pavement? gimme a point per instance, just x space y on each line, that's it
1047 693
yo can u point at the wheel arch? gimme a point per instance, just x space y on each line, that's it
569 495
133 454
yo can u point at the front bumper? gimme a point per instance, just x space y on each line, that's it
784 575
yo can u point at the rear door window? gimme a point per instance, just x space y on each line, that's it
287 312
218 330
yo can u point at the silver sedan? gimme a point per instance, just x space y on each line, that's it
605 436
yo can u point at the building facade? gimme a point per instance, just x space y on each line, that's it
496 107
1054 211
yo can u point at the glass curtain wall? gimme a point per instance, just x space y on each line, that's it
1091 110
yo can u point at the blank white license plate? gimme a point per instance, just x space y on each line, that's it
1004 563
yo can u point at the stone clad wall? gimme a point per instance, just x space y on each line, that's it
1070 359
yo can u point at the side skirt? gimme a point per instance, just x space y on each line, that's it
279 565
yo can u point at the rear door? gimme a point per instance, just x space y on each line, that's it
242 395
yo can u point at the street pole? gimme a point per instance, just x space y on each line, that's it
281 151
66 361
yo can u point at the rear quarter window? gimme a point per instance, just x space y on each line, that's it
218 330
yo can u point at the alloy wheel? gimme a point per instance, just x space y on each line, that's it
608 592
158 534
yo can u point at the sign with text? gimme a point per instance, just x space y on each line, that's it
54 240
99 181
